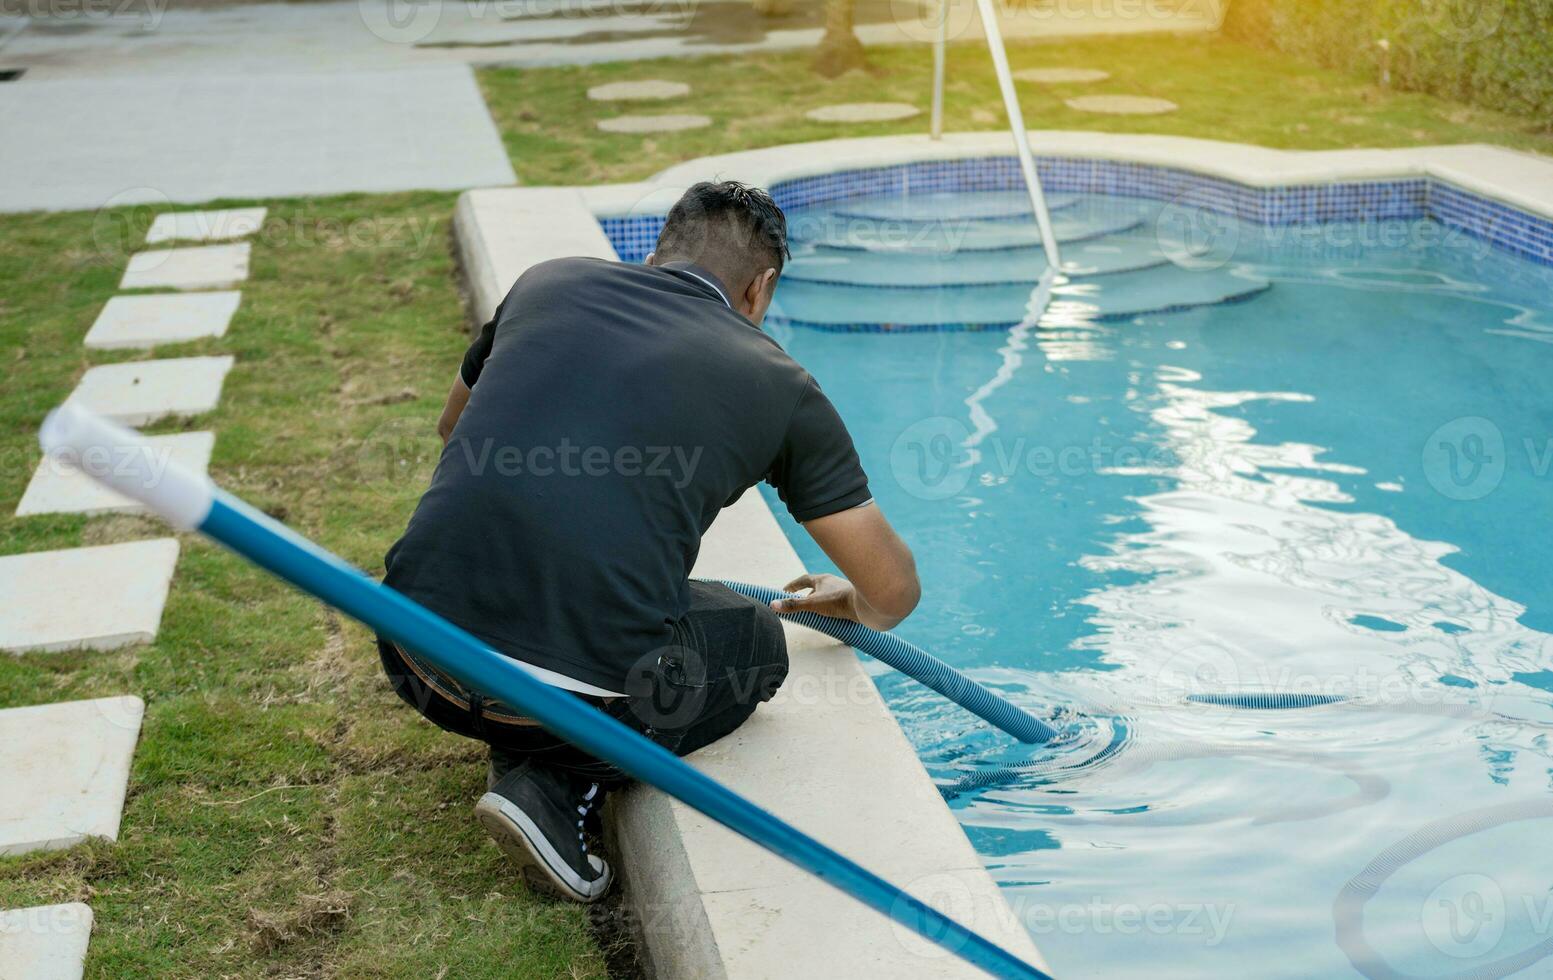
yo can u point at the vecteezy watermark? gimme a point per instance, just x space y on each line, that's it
933 459
1195 229
1462 21
130 466
1464 459
404 451
929 460
1096 916
673 687
119 226
1196 670
399 455
587 9
1217 681
920 20
667 688
413 21
300 229
46 920
69 11
1464 916
124 712
1199 228
1487 926
869 233
1207 921
1467 457
400 21
569 459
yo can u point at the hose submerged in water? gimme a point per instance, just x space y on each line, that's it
921 666
1267 700
916 663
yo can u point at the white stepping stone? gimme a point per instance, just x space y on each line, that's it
45 942
97 598
1061 76
162 318
671 123
65 769
196 267
1122 105
60 487
855 112
205 226
646 90
140 392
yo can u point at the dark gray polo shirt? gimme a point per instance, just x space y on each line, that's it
615 410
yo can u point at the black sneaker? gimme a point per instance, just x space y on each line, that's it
537 816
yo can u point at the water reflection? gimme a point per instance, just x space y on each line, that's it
1273 535
1246 579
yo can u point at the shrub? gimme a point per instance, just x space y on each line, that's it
1493 53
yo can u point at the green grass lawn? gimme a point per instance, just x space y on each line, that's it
1225 90
286 815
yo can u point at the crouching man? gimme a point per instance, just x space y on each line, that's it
597 426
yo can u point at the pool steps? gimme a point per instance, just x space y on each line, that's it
998 306
920 208
949 236
927 270
969 260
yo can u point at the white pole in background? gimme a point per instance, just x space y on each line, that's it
937 128
1011 353
1016 123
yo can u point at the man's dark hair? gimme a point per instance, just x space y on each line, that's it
734 230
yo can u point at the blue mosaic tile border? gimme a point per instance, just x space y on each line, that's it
1511 229
633 237
1527 235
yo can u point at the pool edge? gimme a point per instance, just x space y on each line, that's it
1499 195
693 920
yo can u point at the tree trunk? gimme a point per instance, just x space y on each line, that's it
840 51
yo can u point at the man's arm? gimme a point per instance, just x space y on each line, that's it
457 399
880 587
468 375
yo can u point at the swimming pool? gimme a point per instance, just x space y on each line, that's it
1309 461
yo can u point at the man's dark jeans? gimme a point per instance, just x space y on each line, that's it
725 657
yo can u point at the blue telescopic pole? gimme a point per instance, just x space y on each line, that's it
191 501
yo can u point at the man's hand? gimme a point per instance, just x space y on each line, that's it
834 596
880 588
829 595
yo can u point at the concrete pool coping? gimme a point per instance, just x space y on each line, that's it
1521 180
827 755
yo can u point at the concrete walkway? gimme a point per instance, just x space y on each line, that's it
83 143
135 103
345 35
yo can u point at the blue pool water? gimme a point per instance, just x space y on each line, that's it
1315 463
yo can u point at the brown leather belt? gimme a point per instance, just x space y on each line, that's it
450 690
